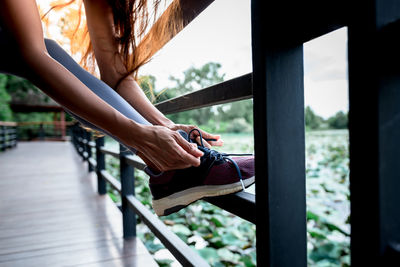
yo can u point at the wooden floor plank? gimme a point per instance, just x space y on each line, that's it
50 214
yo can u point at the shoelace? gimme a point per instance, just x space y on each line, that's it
216 156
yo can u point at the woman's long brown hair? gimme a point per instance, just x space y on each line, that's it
136 45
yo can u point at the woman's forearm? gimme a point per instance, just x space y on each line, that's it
66 89
134 95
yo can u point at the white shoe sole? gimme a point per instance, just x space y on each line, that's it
179 200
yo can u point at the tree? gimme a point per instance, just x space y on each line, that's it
338 121
312 120
21 90
198 78
194 79
5 111
239 109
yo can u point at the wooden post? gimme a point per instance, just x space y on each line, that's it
41 132
62 125
374 125
75 136
3 137
278 91
89 150
127 188
100 159
85 147
15 136
81 147
56 126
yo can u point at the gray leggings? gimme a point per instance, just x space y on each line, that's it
9 64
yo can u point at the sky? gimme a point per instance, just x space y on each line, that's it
222 34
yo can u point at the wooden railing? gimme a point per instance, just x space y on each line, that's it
279 30
44 130
130 205
8 135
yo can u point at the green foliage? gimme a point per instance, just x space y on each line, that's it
239 125
198 78
194 79
238 109
338 121
312 120
5 111
315 122
33 116
328 207
19 89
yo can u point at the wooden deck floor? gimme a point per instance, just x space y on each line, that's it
51 215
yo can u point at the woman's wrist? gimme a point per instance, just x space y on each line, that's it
132 133
164 121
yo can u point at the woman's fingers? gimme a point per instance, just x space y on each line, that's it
219 142
188 147
210 136
205 143
216 142
189 158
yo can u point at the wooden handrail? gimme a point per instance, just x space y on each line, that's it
236 89
8 135
26 123
8 123
176 246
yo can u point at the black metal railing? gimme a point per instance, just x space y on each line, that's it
8 135
279 30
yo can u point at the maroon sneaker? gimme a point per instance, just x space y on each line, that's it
217 175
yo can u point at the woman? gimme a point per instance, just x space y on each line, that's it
124 113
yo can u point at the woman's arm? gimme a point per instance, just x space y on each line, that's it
22 21
168 150
112 69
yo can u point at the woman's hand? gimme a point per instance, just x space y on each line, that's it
218 141
166 148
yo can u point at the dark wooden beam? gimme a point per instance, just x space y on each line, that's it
374 125
241 204
233 90
278 89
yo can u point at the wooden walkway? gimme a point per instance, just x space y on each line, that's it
51 215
